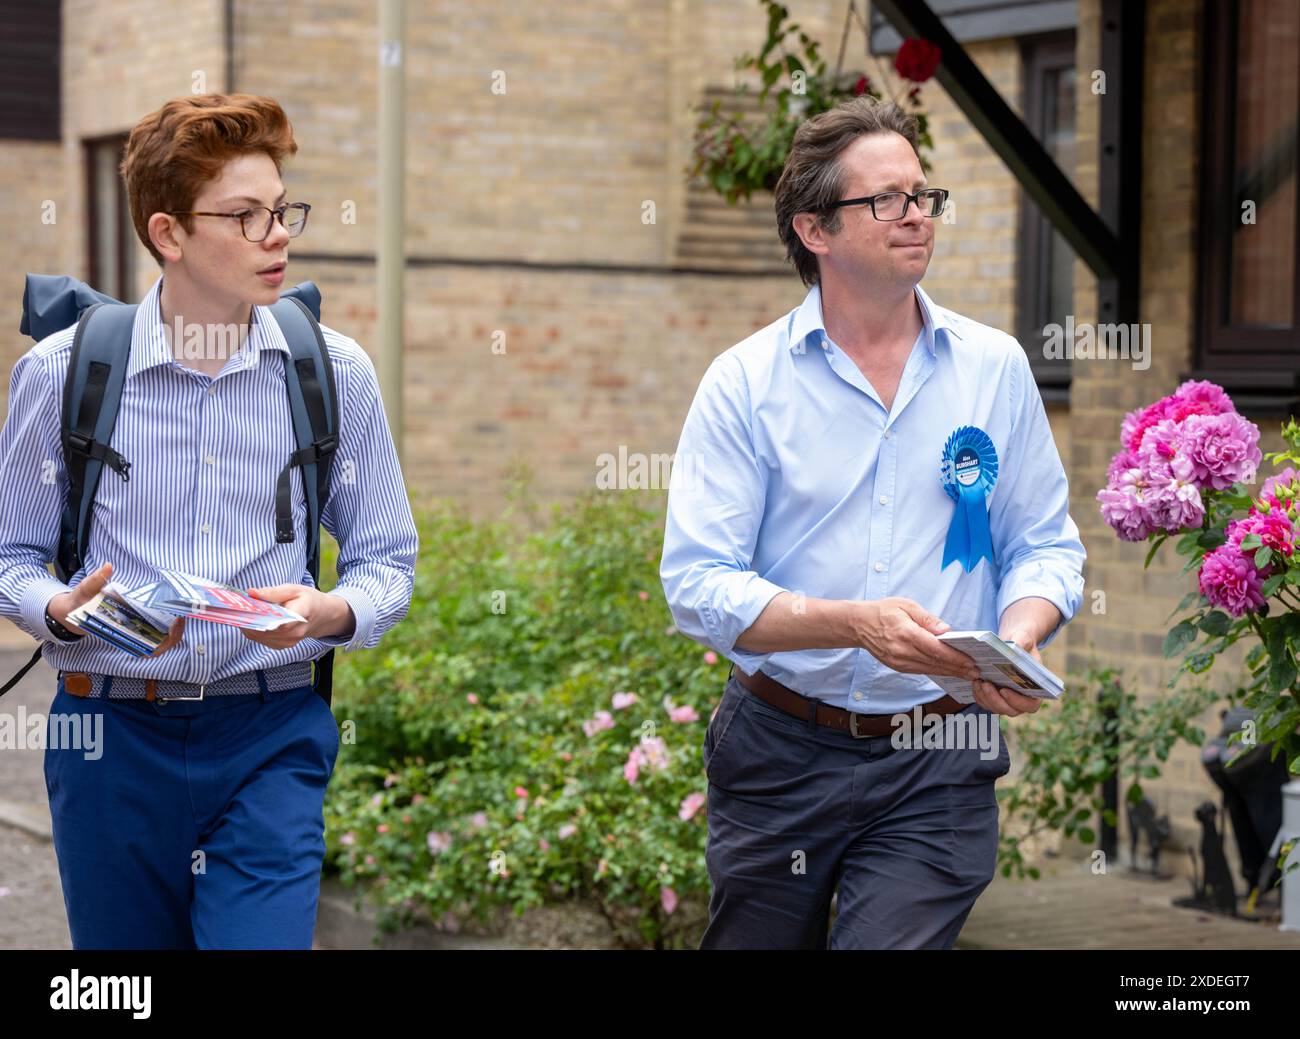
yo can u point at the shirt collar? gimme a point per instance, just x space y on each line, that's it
808 318
149 347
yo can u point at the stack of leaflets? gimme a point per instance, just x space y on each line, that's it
137 619
1003 663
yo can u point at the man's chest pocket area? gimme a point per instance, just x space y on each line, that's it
198 457
256 448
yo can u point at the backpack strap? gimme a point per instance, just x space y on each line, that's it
92 392
314 404
25 668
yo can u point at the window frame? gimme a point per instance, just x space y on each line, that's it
1039 55
1238 356
124 289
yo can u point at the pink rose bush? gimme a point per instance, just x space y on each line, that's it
536 756
1176 454
1174 451
1182 470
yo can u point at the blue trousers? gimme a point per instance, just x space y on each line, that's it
194 824
908 835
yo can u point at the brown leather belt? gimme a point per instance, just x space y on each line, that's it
772 692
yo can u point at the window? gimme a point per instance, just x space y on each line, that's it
29 71
110 234
1045 261
1249 232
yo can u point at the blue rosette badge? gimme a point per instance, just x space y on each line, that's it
969 470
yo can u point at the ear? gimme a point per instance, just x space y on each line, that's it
166 234
811 233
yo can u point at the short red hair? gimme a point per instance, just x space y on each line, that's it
174 151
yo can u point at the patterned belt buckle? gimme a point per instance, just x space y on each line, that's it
168 699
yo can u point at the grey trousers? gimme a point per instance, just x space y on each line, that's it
908 835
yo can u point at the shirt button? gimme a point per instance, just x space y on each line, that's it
212 390
884 499
209 459
200 649
857 696
207 529
880 567
888 435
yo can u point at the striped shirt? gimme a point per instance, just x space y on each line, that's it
205 452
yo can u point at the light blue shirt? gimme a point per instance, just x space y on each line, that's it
791 475
205 452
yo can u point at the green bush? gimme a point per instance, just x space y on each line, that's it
472 783
1067 752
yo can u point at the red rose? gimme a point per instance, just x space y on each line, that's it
917 59
860 87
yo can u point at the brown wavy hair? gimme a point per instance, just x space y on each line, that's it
174 151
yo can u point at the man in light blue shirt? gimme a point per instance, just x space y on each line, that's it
806 526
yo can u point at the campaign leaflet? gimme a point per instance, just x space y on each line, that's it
1003 663
137 619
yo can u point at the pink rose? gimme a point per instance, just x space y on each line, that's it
1229 580
691 804
438 841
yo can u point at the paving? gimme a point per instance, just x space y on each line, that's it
32 915
1073 908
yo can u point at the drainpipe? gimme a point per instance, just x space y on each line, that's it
392 208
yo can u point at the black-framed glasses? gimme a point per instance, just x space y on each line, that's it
892 205
255 226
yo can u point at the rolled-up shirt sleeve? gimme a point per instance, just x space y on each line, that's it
1035 540
369 513
715 508
33 486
